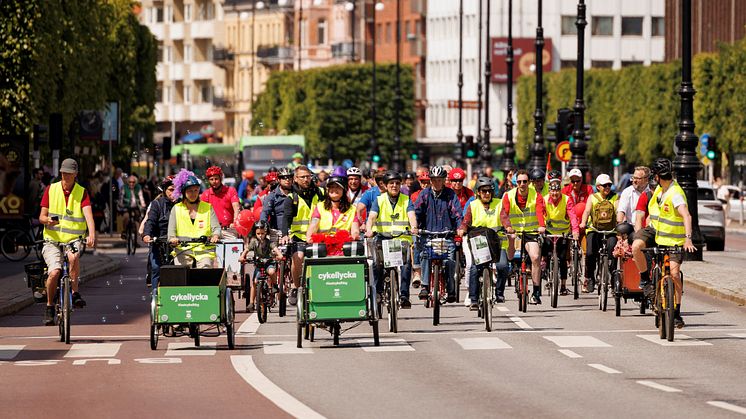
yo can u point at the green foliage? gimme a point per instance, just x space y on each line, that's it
332 105
635 110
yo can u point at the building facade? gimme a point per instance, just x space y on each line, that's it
188 80
713 21
619 33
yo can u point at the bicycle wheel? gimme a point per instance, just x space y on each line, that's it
575 274
282 295
459 273
660 316
393 301
261 304
194 333
16 245
230 319
617 293
299 319
554 278
600 277
66 308
487 298
154 332
434 291
523 302
670 307
130 243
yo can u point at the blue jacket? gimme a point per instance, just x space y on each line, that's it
439 213
273 209
156 226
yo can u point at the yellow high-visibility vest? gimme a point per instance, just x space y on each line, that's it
186 230
299 225
72 221
344 222
526 219
557 220
670 230
653 207
392 220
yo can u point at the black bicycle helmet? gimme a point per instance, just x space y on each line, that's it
285 171
661 167
555 174
339 180
438 172
391 175
272 169
625 229
261 225
536 174
410 175
485 182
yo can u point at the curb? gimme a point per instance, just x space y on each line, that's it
710 290
100 269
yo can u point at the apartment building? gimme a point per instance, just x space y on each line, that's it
713 22
188 80
619 33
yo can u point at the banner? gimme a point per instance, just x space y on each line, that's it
524 51
14 176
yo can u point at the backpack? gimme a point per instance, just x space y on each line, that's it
603 213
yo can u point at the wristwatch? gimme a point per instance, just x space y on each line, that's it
688 236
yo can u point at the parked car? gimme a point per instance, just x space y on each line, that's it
711 217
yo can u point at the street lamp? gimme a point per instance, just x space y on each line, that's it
578 146
685 164
507 163
538 149
350 7
484 153
373 134
459 151
397 99
479 75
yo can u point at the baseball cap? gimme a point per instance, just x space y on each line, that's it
575 172
298 155
69 166
603 179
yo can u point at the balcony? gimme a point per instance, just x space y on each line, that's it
202 70
176 31
157 30
177 71
223 57
224 103
344 50
274 55
203 29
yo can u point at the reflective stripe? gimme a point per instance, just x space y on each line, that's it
531 224
66 230
68 218
525 214
671 235
72 223
392 223
671 223
300 223
326 223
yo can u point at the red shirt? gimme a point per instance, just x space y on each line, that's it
578 198
642 205
222 202
463 195
86 202
505 213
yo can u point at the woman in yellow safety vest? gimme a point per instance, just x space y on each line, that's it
560 219
191 219
336 213
599 215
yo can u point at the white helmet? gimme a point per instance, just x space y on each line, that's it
354 171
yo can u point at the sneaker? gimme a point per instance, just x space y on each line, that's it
379 298
78 301
678 322
467 302
474 307
417 281
293 297
451 298
250 308
424 293
564 291
535 299
500 298
648 289
49 316
404 303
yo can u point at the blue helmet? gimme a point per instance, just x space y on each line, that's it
191 181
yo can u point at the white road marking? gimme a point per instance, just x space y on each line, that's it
577 342
604 368
284 348
520 323
569 353
245 367
738 335
8 352
387 345
177 349
502 308
471 344
661 387
249 326
679 340
93 350
728 406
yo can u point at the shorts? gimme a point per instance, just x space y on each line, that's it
52 256
647 235
298 244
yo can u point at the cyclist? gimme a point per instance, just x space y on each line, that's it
537 182
335 213
456 177
258 244
156 226
423 181
65 213
296 216
131 199
485 212
393 213
354 185
599 214
224 201
297 161
191 219
438 209
274 203
270 183
410 184
672 226
631 195
371 195
560 219
246 187
578 190
523 210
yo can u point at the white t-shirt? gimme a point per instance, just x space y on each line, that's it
723 193
677 199
628 201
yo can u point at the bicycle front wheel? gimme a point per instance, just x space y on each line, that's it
261 303
554 275
393 301
670 307
434 291
16 245
487 298
65 309
575 274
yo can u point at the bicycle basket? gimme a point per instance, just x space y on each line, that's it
36 276
437 248
493 241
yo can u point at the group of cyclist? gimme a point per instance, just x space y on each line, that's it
527 204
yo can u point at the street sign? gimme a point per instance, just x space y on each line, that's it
562 151
467 104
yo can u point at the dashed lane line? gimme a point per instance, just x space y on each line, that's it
570 354
245 367
728 406
8 352
471 344
577 342
604 368
679 340
284 348
386 345
661 387
520 323
249 326
93 350
502 308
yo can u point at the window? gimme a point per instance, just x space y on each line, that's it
379 32
631 63
601 64
187 13
160 54
187 53
187 94
205 92
568 63
169 14
321 31
388 32
417 28
167 95
658 27
602 25
406 30
169 54
159 14
159 93
568 25
631 26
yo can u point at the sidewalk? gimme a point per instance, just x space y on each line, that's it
719 275
15 294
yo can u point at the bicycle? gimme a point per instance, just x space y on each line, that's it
575 268
554 266
460 265
522 273
603 275
130 230
64 299
17 242
487 274
391 274
664 301
263 296
436 246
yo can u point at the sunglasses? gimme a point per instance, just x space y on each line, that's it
575 181
521 182
608 185
286 177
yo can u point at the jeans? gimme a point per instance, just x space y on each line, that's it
593 244
450 268
502 277
405 275
155 266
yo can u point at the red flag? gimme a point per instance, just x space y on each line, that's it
549 162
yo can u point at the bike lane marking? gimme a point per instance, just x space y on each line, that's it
520 323
276 347
679 340
471 344
503 309
177 349
604 368
728 406
245 367
93 350
387 345
8 352
577 342
661 387
249 326
570 354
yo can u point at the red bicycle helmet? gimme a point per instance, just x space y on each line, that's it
214 171
457 174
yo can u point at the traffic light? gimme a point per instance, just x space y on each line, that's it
458 151
565 124
712 148
616 162
40 135
414 156
471 149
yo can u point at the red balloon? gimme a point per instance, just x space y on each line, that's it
241 230
246 218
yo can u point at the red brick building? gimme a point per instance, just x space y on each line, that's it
713 21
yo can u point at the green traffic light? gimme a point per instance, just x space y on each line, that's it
711 154
571 139
616 162
376 158
470 153
415 156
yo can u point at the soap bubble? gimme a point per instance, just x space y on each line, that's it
103 319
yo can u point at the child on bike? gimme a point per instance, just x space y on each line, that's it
257 243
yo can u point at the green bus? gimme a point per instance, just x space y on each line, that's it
199 157
259 153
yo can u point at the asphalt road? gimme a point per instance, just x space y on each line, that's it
573 361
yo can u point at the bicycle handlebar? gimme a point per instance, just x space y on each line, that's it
601 231
664 250
435 233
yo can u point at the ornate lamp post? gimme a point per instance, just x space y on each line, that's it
373 126
350 7
485 153
685 164
458 155
479 76
507 163
578 147
397 99
538 149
